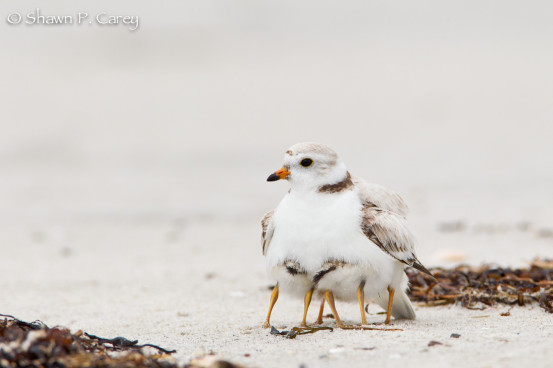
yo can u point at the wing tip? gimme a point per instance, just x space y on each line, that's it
417 265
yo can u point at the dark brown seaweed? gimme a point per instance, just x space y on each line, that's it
35 345
484 286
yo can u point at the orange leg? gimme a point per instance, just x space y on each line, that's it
307 301
361 299
330 300
390 303
319 320
274 298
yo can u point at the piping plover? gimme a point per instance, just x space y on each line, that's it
337 236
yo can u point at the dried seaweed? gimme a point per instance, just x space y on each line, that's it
299 331
121 342
484 286
34 344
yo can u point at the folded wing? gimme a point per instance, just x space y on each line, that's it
380 196
267 230
389 232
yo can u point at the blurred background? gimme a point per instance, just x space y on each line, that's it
133 163
106 132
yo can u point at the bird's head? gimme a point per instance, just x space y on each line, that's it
308 166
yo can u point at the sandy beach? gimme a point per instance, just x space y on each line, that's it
145 284
133 167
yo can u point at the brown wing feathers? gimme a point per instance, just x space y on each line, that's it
421 268
388 231
265 223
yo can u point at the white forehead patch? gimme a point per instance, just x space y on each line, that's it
312 148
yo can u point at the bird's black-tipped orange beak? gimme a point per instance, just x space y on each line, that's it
280 174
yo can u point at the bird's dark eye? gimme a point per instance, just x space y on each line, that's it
306 162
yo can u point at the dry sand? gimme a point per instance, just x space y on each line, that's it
200 287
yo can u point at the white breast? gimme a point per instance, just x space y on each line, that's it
311 228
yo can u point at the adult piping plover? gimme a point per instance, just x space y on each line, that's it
337 236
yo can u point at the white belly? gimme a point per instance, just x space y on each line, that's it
312 229
295 284
377 277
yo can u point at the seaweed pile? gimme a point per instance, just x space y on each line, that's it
479 287
35 345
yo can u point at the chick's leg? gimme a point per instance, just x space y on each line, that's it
330 300
390 303
307 301
361 299
319 320
274 298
